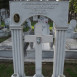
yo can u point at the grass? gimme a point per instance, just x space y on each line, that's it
6 69
71 70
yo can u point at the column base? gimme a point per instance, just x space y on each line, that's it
15 75
52 75
38 75
61 76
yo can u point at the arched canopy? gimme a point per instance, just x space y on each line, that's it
56 11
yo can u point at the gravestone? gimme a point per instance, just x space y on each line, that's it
70 31
7 21
3 14
56 11
45 27
38 39
29 23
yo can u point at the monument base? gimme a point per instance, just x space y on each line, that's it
38 75
52 75
59 76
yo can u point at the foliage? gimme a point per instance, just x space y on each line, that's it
73 6
26 29
2 24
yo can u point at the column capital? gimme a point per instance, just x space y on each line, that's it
61 28
16 27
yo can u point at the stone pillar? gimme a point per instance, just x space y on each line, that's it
17 50
59 51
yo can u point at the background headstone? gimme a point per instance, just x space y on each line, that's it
28 23
7 21
71 28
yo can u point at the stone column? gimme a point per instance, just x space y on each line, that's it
59 51
17 50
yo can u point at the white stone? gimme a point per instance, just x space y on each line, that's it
71 44
15 75
35 18
38 38
71 28
28 23
3 14
61 76
57 11
7 21
72 23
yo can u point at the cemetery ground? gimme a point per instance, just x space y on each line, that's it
6 69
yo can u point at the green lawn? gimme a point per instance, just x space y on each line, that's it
6 69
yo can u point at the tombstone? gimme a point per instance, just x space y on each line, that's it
7 21
38 39
3 13
73 24
56 11
45 27
70 31
45 31
28 23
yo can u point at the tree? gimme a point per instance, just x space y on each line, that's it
4 4
73 9
75 6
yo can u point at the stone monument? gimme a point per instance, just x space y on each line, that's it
56 11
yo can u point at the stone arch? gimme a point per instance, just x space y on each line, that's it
58 12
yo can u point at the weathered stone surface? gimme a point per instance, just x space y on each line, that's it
55 10
71 44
